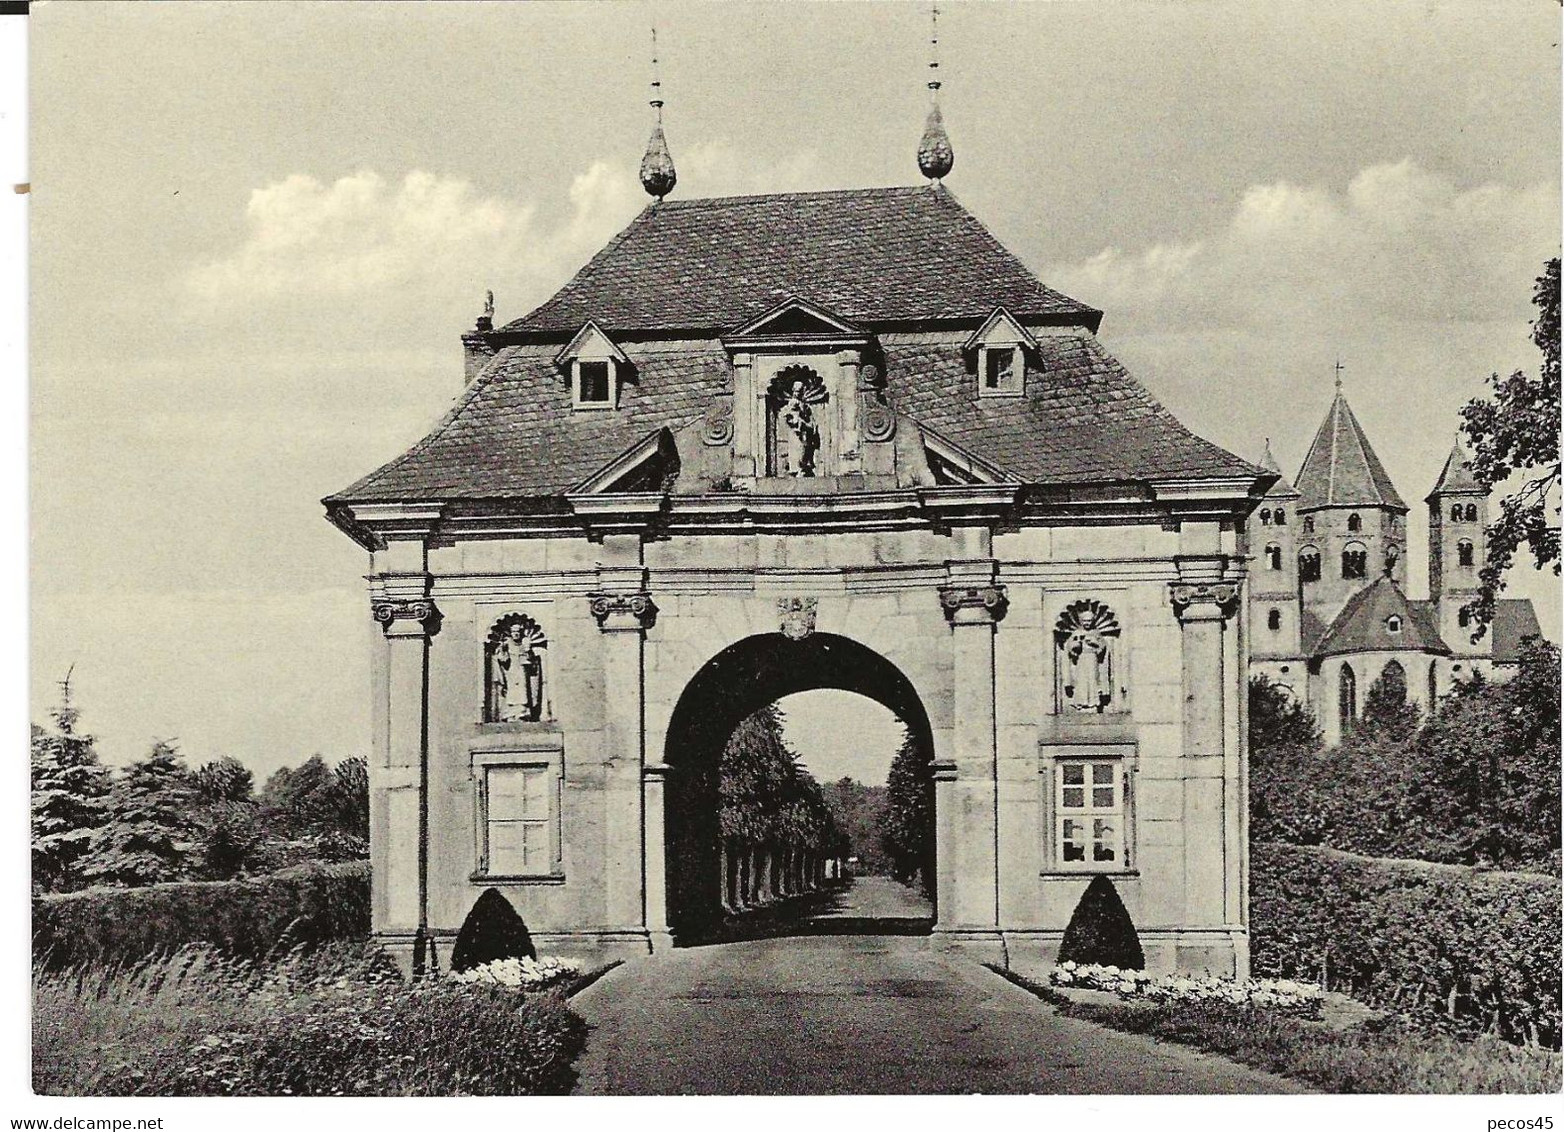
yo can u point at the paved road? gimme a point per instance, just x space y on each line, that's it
876 898
819 1014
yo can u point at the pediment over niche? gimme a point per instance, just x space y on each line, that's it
796 319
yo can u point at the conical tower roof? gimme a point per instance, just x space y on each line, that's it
1341 469
1456 478
1282 488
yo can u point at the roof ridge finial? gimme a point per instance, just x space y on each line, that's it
935 155
657 173
1339 368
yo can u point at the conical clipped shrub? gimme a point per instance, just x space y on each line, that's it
1100 930
492 930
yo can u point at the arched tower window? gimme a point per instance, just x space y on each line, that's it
1347 698
1354 522
1273 556
1354 560
1308 524
1463 617
1471 512
1455 512
1273 620
1308 564
1392 556
1281 516
1265 516
1464 552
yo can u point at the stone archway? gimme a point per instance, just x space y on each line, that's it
739 680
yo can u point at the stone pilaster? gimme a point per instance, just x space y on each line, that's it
654 777
1204 599
400 776
624 616
973 604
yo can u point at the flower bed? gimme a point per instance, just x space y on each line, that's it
522 973
1285 996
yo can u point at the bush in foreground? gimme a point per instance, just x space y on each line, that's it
246 918
1100 931
492 931
1454 948
337 1023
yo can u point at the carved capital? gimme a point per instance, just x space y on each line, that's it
623 611
1203 601
798 616
974 603
421 611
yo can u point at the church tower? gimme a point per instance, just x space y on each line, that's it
1275 609
1352 522
1457 547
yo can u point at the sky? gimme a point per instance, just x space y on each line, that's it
258 231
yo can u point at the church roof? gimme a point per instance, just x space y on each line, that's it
1341 469
1362 624
1456 478
1514 619
513 433
1282 488
872 256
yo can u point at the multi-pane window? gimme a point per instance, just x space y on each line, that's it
1354 562
518 820
1089 811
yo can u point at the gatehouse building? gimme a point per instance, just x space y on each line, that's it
766 444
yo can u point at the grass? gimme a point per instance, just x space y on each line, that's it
1361 1059
338 1021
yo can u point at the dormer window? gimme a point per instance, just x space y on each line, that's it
999 370
596 368
1001 344
593 383
1393 623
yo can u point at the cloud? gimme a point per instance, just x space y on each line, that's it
1400 243
364 242
413 255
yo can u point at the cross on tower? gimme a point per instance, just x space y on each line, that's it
1339 368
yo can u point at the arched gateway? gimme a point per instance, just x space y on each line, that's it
742 678
764 444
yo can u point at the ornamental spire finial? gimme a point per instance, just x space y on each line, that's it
657 173
935 155
1339 368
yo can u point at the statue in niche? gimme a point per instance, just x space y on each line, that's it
794 392
516 670
1086 637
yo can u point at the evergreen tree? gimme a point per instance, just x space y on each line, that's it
148 834
909 813
68 788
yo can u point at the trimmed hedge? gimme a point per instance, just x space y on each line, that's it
251 918
1459 948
